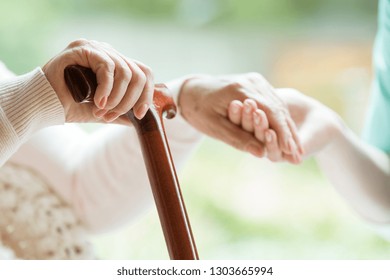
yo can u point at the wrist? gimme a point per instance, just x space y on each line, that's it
336 134
53 81
187 92
184 96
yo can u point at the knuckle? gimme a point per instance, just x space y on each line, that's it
278 111
282 111
85 50
78 43
256 79
255 76
147 71
234 86
123 73
104 44
141 78
93 42
108 65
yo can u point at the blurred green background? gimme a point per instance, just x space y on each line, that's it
240 207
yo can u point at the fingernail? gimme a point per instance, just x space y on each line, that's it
141 112
103 102
268 137
301 150
297 158
100 113
256 118
111 117
235 108
292 146
247 108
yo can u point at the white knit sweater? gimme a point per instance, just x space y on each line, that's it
98 179
27 104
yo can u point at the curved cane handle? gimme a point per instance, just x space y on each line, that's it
82 84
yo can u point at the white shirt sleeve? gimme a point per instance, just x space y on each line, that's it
102 174
27 104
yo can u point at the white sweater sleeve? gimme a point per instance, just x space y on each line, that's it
102 175
27 104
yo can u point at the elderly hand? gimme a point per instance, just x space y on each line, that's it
123 83
204 103
317 124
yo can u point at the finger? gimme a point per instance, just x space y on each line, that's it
122 77
139 89
297 140
278 122
287 134
276 112
235 112
247 115
103 67
273 152
260 124
146 98
129 97
291 159
237 137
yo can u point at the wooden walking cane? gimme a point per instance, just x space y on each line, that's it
82 84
